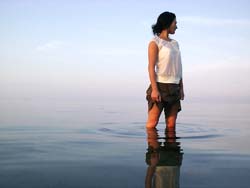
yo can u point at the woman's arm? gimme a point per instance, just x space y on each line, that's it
152 58
149 176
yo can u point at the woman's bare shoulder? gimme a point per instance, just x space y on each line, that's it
153 41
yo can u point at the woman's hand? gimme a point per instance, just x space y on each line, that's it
182 93
155 95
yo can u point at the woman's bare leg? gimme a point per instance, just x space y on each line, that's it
171 119
153 117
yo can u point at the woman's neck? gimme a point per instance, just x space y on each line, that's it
164 36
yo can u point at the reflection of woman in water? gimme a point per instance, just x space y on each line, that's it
163 161
165 72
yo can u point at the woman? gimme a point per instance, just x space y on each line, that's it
165 73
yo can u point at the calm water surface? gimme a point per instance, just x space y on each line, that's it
69 143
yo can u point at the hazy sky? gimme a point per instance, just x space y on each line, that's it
99 47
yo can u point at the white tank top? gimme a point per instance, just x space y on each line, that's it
168 65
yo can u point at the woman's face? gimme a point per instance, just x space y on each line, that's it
172 27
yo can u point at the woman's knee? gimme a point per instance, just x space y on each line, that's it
153 116
171 120
152 123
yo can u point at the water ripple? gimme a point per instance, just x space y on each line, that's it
183 130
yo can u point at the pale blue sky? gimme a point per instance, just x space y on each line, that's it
99 48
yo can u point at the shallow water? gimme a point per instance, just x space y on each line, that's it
66 143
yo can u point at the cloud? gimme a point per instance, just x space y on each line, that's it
51 45
110 51
213 21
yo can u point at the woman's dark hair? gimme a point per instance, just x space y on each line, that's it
163 22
